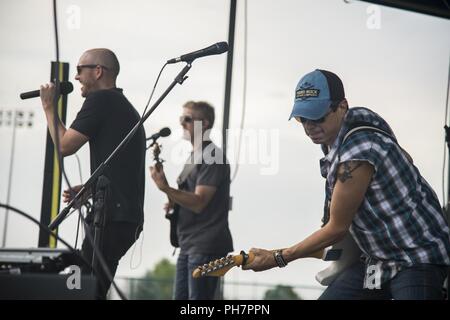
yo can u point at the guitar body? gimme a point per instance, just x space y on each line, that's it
343 254
173 219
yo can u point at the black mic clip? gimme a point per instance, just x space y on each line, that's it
153 142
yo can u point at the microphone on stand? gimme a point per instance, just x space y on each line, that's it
217 48
65 87
164 132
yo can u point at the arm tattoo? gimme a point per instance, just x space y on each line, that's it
345 171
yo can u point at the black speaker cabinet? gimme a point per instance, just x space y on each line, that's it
43 286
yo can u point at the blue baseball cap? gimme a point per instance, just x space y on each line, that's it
314 94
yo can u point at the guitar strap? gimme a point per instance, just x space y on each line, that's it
189 166
195 158
360 126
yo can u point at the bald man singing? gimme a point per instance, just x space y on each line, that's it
104 119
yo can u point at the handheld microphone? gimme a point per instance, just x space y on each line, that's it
65 87
164 132
217 48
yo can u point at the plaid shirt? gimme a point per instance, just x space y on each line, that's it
400 222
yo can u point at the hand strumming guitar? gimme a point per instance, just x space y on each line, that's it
169 206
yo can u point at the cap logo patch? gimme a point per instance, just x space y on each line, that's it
304 93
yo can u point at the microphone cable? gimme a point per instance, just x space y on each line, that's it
81 182
153 90
244 95
56 98
46 228
446 144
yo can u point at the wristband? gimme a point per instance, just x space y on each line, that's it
279 258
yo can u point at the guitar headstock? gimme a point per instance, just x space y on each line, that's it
218 267
156 152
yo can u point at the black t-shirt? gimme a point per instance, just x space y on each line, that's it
106 117
207 232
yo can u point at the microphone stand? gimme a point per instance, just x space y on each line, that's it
180 78
101 197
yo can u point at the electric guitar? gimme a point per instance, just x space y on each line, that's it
342 254
171 214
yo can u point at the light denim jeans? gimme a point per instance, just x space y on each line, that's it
188 288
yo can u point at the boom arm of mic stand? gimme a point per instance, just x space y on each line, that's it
99 171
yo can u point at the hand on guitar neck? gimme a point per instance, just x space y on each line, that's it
156 158
157 171
265 259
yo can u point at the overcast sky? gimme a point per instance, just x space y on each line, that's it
391 61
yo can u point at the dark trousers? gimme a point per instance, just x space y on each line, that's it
188 288
116 239
419 282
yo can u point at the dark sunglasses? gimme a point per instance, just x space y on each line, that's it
188 119
305 120
90 66
317 121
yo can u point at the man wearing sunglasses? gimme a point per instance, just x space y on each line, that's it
374 195
203 198
104 119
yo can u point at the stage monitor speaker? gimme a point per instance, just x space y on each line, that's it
40 286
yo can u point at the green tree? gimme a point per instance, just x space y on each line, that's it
156 284
164 273
281 292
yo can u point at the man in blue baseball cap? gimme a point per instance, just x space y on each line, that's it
314 94
318 95
380 214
